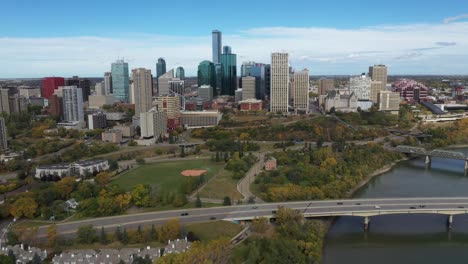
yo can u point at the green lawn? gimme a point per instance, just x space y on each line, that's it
166 175
214 230
221 186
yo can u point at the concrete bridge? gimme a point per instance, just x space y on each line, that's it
445 154
365 208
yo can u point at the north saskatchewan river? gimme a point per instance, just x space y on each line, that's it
405 238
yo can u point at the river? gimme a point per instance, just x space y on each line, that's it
405 238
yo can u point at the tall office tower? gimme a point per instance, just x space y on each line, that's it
171 106
216 46
259 71
50 84
56 106
205 91
176 87
72 104
218 77
301 91
120 81
18 103
180 73
84 84
99 88
163 83
3 135
291 86
108 83
361 87
325 85
279 94
389 101
379 73
375 89
97 120
248 87
153 124
5 94
206 75
229 71
160 67
142 89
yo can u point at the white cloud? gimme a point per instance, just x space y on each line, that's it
412 49
455 18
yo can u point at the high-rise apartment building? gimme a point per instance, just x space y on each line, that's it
153 124
97 120
108 83
206 75
361 87
72 104
180 73
176 87
279 94
120 81
142 89
216 46
50 84
5 94
301 91
163 83
379 73
389 101
3 135
325 85
375 89
229 71
82 83
248 87
171 106
160 67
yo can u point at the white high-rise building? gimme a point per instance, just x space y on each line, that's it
248 87
361 87
279 92
72 104
301 91
163 83
153 124
142 90
107 83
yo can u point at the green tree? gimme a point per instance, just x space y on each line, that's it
24 206
141 195
125 238
86 234
103 237
227 200
198 202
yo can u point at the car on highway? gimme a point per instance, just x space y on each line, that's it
422 206
273 212
377 207
412 207
184 214
254 207
461 207
358 203
339 203
212 218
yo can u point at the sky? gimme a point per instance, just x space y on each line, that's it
65 38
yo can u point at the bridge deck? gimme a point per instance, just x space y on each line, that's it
446 154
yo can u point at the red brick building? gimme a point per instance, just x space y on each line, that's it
251 105
50 84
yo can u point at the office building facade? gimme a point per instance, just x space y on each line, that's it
163 83
379 73
301 91
248 87
120 81
229 71
3 135
279 94
389 101
82 83
142 89
216 46
361 86
97 121
108 83
207 75
50 84
160 67
180 73
325 85
72 104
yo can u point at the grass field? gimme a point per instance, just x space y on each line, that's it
221 186
214 230
166 175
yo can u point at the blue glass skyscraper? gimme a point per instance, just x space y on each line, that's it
120 81
229 71
216 46
180 73
207 75
160 67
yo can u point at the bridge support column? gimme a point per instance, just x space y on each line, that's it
428 161
466 167
449 221
366 223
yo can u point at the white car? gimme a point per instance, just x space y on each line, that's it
377 207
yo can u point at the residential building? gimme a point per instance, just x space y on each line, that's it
72 104
163 83
142 90
153 124
341 101
194 119
379 73
3 135
80 168
325 85
37 101
56 106
251 105
97 121
160 67
410 90
270 164
128 131
229 71
5 94
238 95
108 83
17 104
259 71
27 92
98 101
206 75
216 46
205 91
84 84
50 84
23 254
112 136
389 101
120 81
279 94
116 116
99 88
361 87
171 106
375 89
248 87
301 91
180 73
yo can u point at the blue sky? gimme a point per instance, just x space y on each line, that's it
83 37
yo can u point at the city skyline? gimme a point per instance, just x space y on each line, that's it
338 43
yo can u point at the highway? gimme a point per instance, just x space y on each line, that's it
356 207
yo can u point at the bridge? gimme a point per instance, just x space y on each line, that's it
364 208
445 154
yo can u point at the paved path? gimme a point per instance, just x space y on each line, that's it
243 186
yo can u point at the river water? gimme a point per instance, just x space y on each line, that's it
405 238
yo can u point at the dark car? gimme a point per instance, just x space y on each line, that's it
212 218
273 212
358 203
412 207
339 203
255 207
422 206
184 214
461 207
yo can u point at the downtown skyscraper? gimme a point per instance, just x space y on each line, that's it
301 91
143 90
206 75
72 104
120 81
279 91
216 46
229 71
160 67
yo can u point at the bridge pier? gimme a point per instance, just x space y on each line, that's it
449 221
366 223
428 161
466 167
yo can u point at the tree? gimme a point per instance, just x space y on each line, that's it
65 187
227 200
24 206
103 178
140 161
260 225
182 152
52 235
118 234
198 202
86 234
169 231
320 142
12 237
141 195
125 237
217 159
103 237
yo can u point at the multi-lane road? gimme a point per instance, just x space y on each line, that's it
357 207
